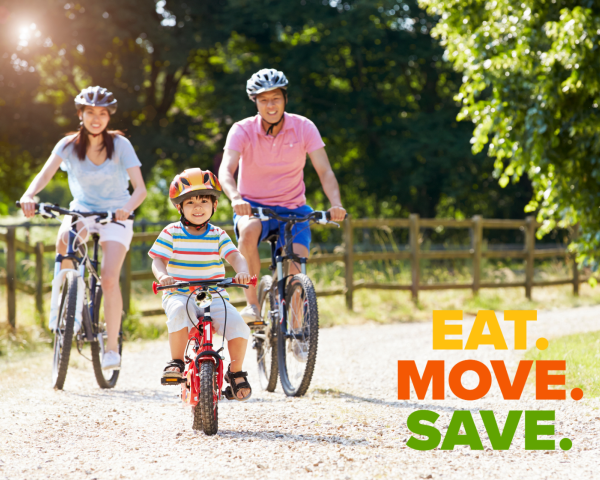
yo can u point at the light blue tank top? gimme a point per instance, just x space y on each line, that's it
98 187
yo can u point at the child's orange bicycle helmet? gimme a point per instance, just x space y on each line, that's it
193 182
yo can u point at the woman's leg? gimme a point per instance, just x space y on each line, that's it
113 255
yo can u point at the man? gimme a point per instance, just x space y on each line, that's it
270 150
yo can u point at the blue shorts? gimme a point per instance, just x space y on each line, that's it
300 231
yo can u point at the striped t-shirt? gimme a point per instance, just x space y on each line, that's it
193 257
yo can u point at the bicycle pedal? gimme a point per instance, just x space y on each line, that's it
171 381
257 324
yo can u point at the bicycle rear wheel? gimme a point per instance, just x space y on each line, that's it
265 339
63 337
297 341
105 378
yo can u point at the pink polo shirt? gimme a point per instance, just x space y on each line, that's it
271 170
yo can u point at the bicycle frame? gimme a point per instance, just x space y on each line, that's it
202 346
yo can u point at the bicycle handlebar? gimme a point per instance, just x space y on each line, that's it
224 283
47 207
319 216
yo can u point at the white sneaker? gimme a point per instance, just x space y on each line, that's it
250 314
111 361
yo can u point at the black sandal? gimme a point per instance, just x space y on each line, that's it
170 377
232 391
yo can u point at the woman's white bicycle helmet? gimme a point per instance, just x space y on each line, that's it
265 80
96 97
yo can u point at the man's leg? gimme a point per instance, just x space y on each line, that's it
250 229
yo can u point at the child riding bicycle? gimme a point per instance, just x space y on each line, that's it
193 249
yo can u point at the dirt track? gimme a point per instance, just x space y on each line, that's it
350 425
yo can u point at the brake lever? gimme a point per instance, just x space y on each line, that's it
118 223
44 213
329 222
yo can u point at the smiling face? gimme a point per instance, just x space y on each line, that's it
199 209
95 119
271 105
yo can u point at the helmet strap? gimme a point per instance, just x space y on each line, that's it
187 223
88 132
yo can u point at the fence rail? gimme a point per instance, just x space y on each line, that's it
414 254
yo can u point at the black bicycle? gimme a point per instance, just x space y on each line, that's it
81 288
286 338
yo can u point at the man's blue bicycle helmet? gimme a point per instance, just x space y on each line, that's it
265 80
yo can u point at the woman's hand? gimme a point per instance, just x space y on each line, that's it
166 280
28 206
242 278
122 214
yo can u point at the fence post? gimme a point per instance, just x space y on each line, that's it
477 243
11 276
414 254
529 249
39 280
349 262
575 266
126 282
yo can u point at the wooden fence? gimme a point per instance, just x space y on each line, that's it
414 254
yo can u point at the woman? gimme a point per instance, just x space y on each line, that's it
99 163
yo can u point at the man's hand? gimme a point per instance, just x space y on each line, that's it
337 214
166 280
243 278
122 214
241 207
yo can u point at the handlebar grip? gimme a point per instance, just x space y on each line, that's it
328 215
155 286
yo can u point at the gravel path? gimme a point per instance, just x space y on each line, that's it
349 425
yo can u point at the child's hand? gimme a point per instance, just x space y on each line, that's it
166 280
243 278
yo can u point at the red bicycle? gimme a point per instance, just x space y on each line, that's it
202 380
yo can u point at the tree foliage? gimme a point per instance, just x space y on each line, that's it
531 86
366 72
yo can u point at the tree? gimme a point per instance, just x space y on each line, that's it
373 80
51 49
531 87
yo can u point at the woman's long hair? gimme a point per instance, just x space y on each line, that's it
81 142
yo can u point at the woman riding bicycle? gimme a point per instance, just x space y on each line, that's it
99 164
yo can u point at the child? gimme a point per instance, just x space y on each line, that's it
193 249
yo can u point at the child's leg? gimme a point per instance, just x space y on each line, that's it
177 342
237 335
178 324
237 352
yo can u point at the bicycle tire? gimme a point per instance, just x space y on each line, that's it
266 348
103 379
63 337
208 400
299 347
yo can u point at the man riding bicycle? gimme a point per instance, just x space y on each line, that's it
270 150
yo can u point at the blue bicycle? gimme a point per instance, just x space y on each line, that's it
79 290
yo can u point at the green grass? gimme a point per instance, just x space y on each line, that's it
582 353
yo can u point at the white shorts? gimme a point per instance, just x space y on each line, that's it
178 319
111 232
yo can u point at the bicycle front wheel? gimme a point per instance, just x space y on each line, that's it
298 336
265 339
208 404
63 337
105 378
